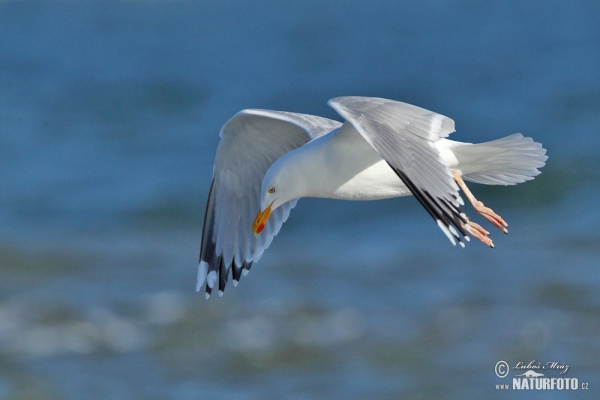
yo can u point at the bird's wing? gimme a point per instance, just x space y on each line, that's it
250 142
404 135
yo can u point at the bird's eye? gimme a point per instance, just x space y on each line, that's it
272 190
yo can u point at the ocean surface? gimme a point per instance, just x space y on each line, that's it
109 121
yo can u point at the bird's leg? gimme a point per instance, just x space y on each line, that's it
484 211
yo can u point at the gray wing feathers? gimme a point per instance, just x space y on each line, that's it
250 142
404 136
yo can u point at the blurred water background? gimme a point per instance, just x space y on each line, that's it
109 120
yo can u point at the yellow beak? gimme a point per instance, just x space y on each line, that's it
261 219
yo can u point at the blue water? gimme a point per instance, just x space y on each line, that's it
109 120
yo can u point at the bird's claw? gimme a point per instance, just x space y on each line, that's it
478 233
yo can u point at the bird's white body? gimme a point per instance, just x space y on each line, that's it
360 172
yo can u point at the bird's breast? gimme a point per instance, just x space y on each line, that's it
378 181
354 171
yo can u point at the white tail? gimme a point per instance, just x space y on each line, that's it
507 161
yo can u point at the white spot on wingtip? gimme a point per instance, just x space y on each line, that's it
461 244
202 271
245 272
468 239
444 229
220 293
211 278
206 295
235 283
454 232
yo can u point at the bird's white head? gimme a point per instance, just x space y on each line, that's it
282 183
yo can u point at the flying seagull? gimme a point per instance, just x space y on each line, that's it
267 160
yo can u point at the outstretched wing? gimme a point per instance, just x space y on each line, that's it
404 135
250 142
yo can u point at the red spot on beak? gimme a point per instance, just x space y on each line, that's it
261 219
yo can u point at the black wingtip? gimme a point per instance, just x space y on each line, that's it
440 209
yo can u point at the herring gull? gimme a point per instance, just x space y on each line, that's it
267 160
